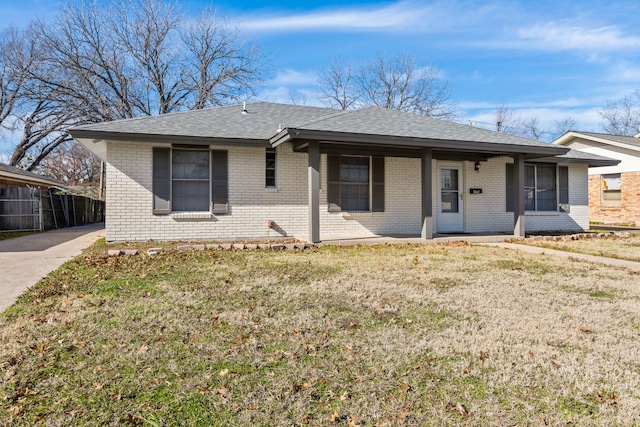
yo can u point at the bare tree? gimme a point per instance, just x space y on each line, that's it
391 82
508 121
531 129
71 164
222 65
622 117
124 59
16 55
563 126
337 85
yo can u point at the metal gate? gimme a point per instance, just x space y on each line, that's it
21 209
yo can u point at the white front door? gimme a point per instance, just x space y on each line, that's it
450 198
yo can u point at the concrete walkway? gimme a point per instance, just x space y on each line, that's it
26 260
631 265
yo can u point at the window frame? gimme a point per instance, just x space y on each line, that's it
561 188
610 202
163 180
188 180
270 152
348 185
376 183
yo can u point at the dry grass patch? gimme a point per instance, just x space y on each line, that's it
612 247
387 335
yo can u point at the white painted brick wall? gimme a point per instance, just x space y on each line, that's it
129 200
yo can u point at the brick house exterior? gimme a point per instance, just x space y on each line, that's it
338 174
618 203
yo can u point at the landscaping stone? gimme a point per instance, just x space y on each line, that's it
251 246
290 246
238 246
114 252
213 246
198 247
184 247
153 251
547 237
278 247
130 252
264 246
226 246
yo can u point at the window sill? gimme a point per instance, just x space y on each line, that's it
271 189
542 213
191 215
356 214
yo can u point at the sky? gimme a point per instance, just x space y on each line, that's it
544 59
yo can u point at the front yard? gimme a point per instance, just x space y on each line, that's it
386 335
611 247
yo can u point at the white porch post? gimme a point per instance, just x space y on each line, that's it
518 196
427 196
314 191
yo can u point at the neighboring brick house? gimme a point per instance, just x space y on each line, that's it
614 191
271 170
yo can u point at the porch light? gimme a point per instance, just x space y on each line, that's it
476 166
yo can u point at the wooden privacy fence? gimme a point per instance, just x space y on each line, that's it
37 209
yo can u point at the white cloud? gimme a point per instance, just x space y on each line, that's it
292 77
409 16
558 36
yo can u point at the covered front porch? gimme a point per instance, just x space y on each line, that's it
315 143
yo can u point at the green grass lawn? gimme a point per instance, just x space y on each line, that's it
385 335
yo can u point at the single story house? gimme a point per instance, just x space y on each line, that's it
614 191
267 170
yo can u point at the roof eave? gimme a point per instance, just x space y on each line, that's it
413 142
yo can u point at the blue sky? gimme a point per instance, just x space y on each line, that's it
545 59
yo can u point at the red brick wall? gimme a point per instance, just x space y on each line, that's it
629 209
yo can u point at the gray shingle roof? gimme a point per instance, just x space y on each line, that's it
263 120
382 121
616 138
228 122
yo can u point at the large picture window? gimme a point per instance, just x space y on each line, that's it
542 191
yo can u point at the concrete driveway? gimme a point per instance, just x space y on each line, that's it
26 260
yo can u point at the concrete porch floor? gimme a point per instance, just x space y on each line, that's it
412 239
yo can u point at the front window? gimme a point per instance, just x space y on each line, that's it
540 188
354 183
190 180
546 188
611 190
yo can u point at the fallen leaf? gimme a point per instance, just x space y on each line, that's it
585 330
222 391
352 421
335 417
462 409
344 396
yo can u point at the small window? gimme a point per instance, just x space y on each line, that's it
611 190
270 167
